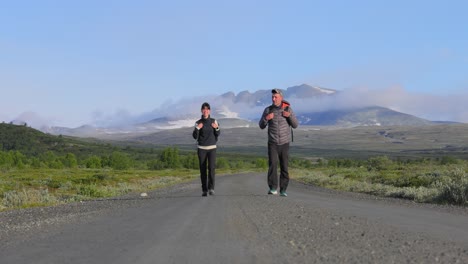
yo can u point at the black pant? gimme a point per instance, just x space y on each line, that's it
204 157
275 153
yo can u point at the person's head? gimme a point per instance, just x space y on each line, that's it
205 109
276 96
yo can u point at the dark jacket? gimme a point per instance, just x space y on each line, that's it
279 131
207 135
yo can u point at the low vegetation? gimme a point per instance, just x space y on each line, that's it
50 179
442 180
37 169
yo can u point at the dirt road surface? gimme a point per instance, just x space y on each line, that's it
239 224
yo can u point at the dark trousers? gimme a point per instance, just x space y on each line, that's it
278 153
207 159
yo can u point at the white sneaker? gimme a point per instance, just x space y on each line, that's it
272 191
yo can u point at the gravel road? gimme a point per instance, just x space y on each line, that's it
240 224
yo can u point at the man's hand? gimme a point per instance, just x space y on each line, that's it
200 125
286 114
269 116
214 125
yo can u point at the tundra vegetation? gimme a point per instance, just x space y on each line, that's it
429 180
37 169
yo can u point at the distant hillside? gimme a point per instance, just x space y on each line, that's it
32 142
368 116
27 140
329 141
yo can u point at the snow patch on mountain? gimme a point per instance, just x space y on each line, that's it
324 90
226 113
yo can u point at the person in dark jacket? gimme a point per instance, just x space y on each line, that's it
279 117
206 133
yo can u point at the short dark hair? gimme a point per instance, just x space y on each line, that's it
205 104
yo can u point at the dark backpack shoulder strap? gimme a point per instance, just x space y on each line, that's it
270 109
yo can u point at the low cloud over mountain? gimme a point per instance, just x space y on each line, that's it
313 105
309 99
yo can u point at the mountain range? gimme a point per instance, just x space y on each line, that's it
245 108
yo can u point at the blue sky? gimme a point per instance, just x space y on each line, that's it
67 63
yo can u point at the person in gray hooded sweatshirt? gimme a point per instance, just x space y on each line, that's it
279 117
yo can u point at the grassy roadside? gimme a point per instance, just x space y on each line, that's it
44 187
23 188
428 183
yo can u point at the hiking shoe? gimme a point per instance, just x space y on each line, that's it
284 194
272 191
211 192
204 194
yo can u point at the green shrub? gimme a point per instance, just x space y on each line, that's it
30 197
101 177
449 160
53 183
419 194
190 161
261 163
221 163
171 158
119 161
70 160
409 180
155 165
56 164
93 162
454 188
237 164
379 163
91 190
